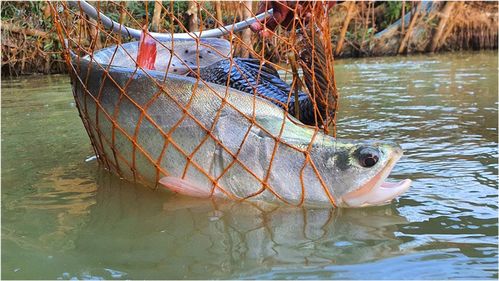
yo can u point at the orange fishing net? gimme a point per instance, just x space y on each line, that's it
130 105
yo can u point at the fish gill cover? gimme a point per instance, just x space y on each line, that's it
206 111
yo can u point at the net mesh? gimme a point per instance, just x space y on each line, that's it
171 119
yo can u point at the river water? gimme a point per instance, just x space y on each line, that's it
64 217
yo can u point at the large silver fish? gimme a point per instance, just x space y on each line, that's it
202 139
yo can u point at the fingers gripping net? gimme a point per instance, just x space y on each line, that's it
218 112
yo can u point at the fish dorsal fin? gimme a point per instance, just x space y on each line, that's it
254 64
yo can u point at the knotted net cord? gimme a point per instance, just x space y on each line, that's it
84 37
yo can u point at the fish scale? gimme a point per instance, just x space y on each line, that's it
246 75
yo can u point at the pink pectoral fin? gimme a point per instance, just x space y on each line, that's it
185 187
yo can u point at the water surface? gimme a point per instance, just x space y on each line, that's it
63 217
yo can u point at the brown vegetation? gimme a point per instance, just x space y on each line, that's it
29 43
429 26
357 28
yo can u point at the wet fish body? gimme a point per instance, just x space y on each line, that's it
202 139
209 61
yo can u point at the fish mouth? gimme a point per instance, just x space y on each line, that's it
377 191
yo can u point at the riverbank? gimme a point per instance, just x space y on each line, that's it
358 29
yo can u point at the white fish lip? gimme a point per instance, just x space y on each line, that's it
379 192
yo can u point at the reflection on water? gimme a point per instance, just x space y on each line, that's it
192 238
63 217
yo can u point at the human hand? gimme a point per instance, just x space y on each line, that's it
285 13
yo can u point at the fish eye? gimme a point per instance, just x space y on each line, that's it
368 157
